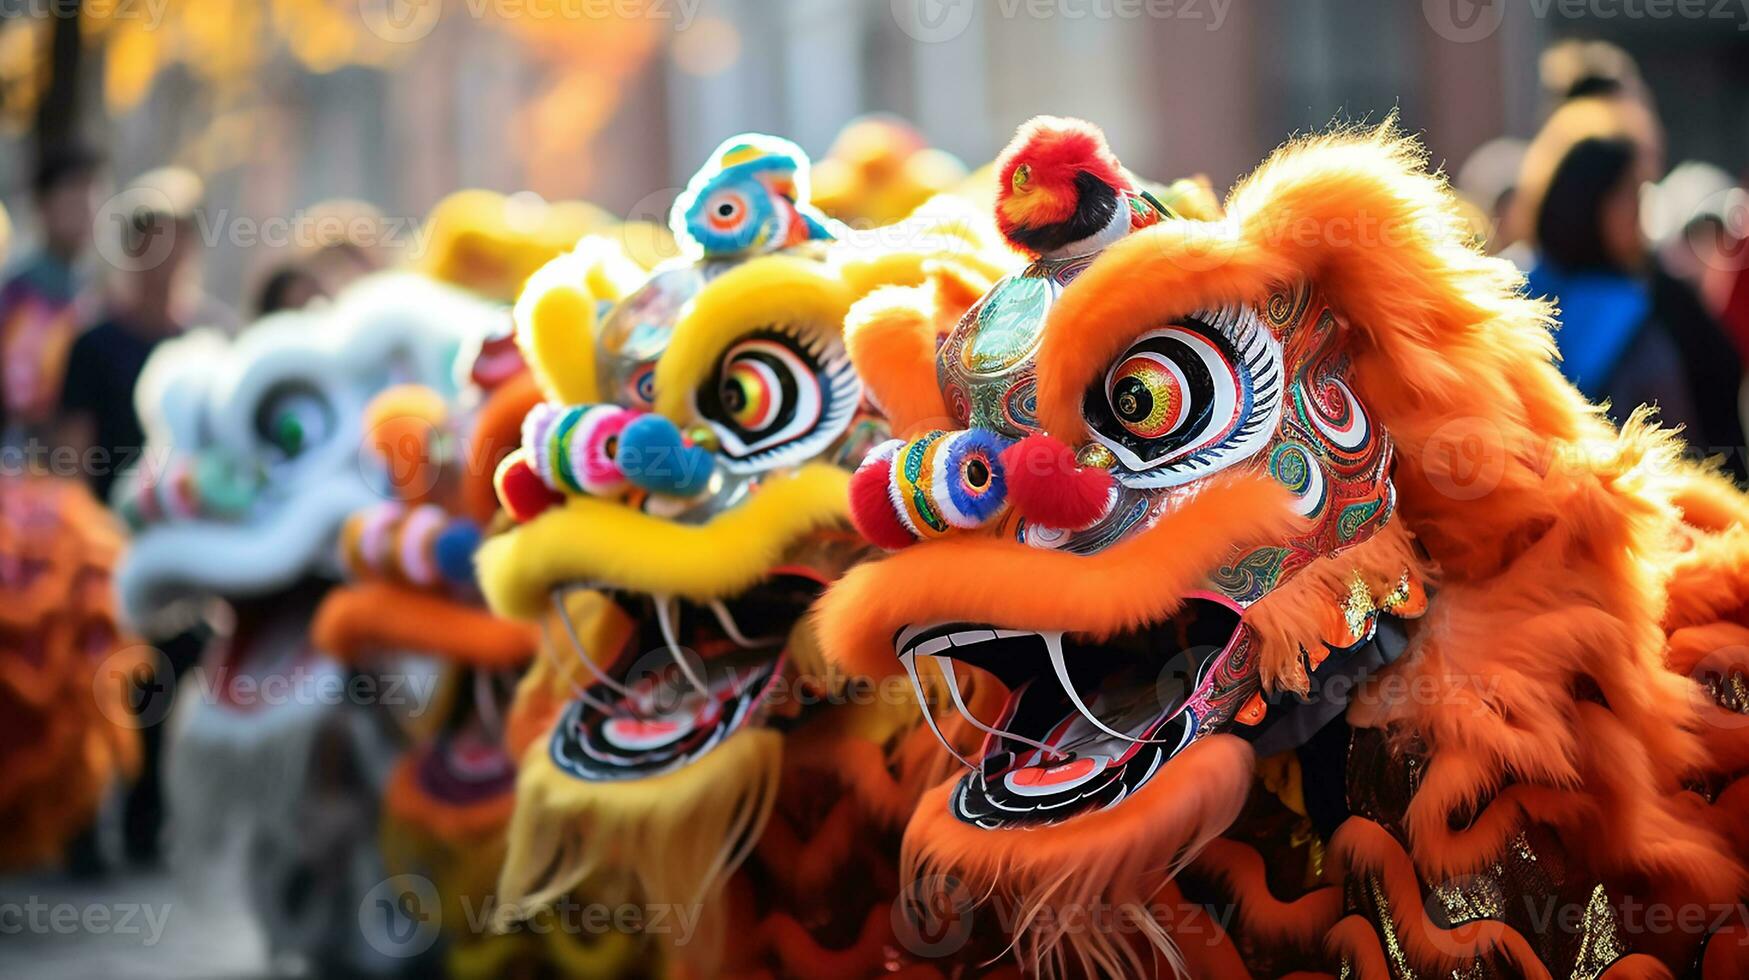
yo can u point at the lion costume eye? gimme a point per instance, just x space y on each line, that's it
726 211
1188 399
294 419
779 396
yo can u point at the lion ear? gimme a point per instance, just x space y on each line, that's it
556 316
957 286
1362 216
892 336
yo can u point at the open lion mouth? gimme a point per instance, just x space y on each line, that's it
1085 722
688 677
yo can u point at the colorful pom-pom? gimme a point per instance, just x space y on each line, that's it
967 480
415 541
871 506
573 448
912 487
454 550
1047 487
654 456
521 490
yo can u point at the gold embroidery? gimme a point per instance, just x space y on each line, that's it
1358 607
1600 942
1388 930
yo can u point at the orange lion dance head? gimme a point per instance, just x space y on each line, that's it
1185 493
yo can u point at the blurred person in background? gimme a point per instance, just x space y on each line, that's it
1578 68
1680 215
152 295
1728 262
1594 90
1489 180
1630 333
337 242
38 319
1599 95
347 239
288 286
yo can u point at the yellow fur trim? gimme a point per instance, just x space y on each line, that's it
943 229
555 316
760 292
599 541
669 839
490 243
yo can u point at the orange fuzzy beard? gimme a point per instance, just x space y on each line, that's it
1112 862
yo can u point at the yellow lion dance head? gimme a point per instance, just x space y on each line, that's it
681 503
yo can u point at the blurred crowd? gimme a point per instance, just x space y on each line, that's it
1645 261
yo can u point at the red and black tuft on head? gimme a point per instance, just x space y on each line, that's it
1058 183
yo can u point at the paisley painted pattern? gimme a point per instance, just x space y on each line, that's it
1327 452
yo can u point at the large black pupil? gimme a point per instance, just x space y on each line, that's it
977 474
725 209
1132 399
734 399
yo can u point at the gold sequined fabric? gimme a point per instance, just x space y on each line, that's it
1570 922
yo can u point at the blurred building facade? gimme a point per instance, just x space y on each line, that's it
621 116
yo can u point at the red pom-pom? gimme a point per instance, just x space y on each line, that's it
1046 486
871 509
521 490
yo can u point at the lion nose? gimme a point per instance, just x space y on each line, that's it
205 485
941 482
653 455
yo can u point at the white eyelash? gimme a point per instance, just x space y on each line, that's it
846 392
1260 353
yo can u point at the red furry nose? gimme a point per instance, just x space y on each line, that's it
1047 487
